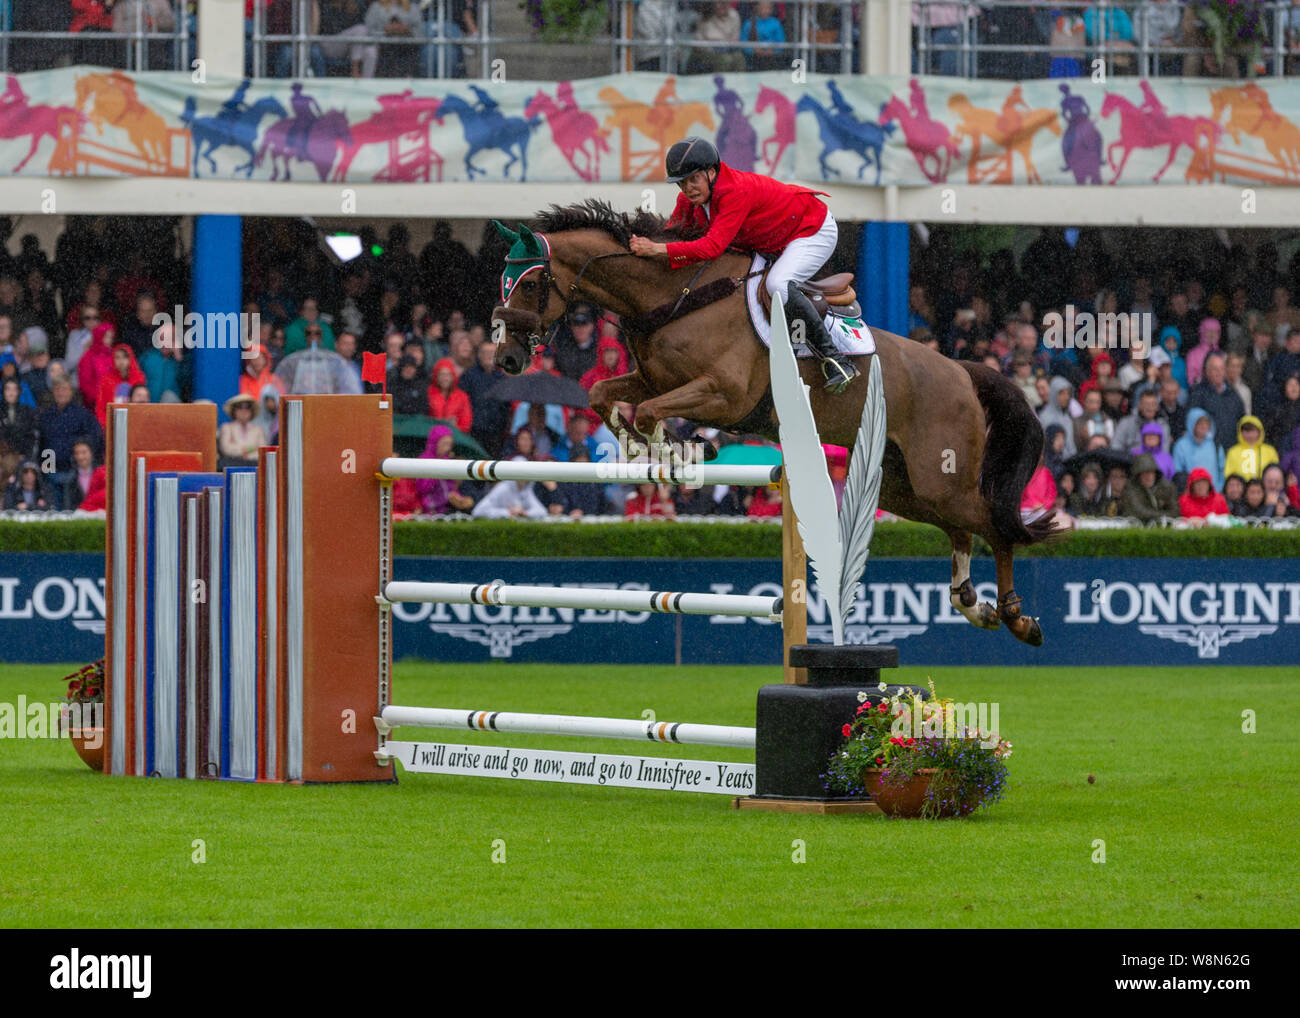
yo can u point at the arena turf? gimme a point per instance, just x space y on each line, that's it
1197 820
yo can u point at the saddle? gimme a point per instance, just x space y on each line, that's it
833 295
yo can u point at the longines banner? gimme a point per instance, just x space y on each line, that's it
910 131
1093 611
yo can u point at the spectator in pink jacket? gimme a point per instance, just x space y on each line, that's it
1209 331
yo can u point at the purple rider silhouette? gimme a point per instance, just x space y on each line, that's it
1081 143
305 111
737 140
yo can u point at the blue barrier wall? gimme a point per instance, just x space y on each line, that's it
1093 611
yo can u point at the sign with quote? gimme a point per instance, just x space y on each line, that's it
618 770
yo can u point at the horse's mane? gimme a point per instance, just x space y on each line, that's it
595 214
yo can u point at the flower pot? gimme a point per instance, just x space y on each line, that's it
94 758
909 800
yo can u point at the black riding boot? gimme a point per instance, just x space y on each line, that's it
838 369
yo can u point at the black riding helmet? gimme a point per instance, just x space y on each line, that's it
688 156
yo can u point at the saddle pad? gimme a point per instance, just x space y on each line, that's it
851 335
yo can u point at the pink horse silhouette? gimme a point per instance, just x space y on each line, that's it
783 135
574 132
1141 128
930 142
19 119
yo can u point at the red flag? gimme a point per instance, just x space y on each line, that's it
374 368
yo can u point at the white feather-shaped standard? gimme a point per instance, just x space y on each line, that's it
811 494
862 490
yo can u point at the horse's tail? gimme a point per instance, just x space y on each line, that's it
187 114
1011 453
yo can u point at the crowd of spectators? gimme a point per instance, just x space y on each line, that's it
77 334
1182 398
1202 419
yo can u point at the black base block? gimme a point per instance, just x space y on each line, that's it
799 727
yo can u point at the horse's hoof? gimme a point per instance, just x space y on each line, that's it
1034 634
986 616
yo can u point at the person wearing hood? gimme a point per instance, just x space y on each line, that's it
28 492
1103 368
409 388
1061 410
1201 499
1217 398
440 497
447 400
1251 454
1197 448
1153 445
1148 496
268 413
115 385
1290 461
1170 341
96 362
257 373
1210 333
19 425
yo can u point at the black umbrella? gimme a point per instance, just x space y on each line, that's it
540 387
1105 457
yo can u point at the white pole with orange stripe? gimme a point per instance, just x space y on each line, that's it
591 598
566 724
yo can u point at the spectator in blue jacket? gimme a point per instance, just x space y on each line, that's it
166 369
1197 448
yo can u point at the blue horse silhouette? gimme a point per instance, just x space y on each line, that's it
240 130
840 131
489 128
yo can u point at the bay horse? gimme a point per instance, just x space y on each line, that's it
962 442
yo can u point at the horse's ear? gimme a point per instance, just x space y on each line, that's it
531 243
505 231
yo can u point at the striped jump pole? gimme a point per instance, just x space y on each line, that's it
743 475
593 598
567 724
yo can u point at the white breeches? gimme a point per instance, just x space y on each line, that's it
801 258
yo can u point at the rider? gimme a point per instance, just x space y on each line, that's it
757 213
305 111
234 106
1158 118
486 104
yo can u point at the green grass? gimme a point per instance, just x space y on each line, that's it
1198 821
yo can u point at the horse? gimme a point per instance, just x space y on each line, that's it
400 117
39 122
1011 129
1140 129
838 133
328 133
574 132
1254 116
928 139
962 440
783 131
116 102
212 133
491 129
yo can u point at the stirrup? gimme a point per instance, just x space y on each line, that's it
837 375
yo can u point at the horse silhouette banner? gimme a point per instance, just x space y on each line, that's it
909 131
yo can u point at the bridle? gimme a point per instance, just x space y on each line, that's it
549 283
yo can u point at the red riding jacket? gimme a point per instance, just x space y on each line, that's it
747 210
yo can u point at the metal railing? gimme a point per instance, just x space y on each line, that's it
136 49
965 39
824 43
